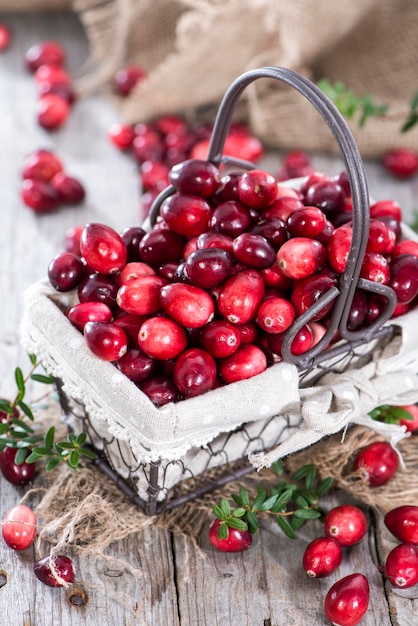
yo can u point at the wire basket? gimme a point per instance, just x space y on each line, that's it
164 457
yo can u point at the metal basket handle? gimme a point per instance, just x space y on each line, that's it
350 279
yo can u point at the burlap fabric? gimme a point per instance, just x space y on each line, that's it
193 49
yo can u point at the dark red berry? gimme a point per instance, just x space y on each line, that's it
55 571
236 541
378 463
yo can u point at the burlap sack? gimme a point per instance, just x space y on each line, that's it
193 49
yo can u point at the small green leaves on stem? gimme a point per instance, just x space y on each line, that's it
349 104
15 432
291 502
390 414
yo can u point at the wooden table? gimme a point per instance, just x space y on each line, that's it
262 587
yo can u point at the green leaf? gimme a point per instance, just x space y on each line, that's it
240 512
49 438
218 512
300 501
32 358
42 451
88 453
307 513
278 467
20 456
74 459
236 522
41 378
252 521
20 381
26 410
226 507
324 486
261 496
223 531
64 445
21 425
72 438
52 463
81 438
33 457
307 473
401 414
410 122
243 494
309 496
6 406
297 522
283 500
414 101
4 428
269 503
286 527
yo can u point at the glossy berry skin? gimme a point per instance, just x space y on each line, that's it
194 372
401 566
121 135
378 461
322 556
195 177
41 165
402 522
66 271
106 340
326 195
39 195
230 218
162 338
401 162
347 600
252 250
141 296
345 523
275 315
237 540
190 306
257 189
137 366
44 53
307 222
84 312
220 338
131 236
208 267
247 361
186 215
240 296
404 277
55 571
160 390
300 257
19 527
161 246
21 474
70 190
52 111
127 78
98 288
102 248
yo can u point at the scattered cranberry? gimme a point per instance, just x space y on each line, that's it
237 540
17 474
39 196
52 111
401 566
410 424
41 165
55 571
403 523
345 523
402 162
19 527
322 556
347 600
121 135
70 190
44 53
127 78
378 463
5 37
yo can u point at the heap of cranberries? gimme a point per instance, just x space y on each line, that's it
45 184
206 297
56 95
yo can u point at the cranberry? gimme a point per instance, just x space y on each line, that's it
253 250
214 240
161 246
327 195
220 338
134 269
52 111
237 540
378 462
257 188
273 229
240 296
103 248
131 325
410 424
55 571
345 523
98 288
275 315
137 366
208 267
195 177
239 146
358 310
53 74
282 208
338 247
66 271
230 218
386 208
302 341
64 90
308 290
375 267
300 257
274 278
401 566
379 236
194 372
162 338
126 78
5 37
69 189
406 246
84 312
322 556
402 162
306 222
154 174
295 164
148 146
72 240
17 474
41 165
19 527
141 296
106 340
44 53
186 215
131 236
403 523
160 390
347 600
404 277
39 195
191 306
247 361
121 135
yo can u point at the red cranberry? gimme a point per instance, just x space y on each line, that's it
327 195
375 267
240 296
134 269
161 246
253 250
84 312
160 389
106 340
220 338
272 229
17 474
300 257
401 566
131 236
345 523
257 188
338 247
102 248
41 165
302 342
66 271
64 90
5 37
347 600
19 527
121 135
194 372
386 208
195 177
378 462
148 146
137 366
214 240
52 111
141 296
404 277
308 290
162 338
55 571
127 78
236 541
190 306
322 556
53 74
307 222
230 218
208 267
402 162
99 288
411 425
247 361
379 237
402 522
44 53
154 174
39 195
186 215
275 315
131 325
282 208
406 246
69 189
